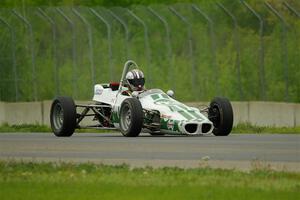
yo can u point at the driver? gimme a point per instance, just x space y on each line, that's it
135 80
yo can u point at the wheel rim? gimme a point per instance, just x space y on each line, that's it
125 118
58 116
214 115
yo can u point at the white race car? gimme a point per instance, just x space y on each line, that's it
151 111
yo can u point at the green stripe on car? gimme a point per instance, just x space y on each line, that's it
155 96
165 96
185 115
192 112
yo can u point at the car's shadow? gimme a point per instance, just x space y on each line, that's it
143 135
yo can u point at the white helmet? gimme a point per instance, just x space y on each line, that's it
135 79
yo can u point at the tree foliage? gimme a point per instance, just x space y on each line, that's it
218 50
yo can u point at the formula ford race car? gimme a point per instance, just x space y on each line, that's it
151 111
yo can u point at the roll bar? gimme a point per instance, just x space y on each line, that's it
128 64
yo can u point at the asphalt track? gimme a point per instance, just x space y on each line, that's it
241 151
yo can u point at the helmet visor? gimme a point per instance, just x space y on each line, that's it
137 82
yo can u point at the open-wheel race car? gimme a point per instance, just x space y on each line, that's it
118 106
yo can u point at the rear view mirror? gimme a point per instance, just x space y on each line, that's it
170 93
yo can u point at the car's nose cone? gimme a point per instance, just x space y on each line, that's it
197 128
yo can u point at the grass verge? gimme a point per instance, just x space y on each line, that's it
240 128
28 180
36 128
249 128
6 128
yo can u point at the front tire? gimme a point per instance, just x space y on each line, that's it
221 114
131 117
63 116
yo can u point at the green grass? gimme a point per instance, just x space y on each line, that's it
4 128
37 128
240 128
249 128
27 180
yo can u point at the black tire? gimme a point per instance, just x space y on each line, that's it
221 114
63 116
131 117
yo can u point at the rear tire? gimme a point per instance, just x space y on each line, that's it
131 117
221 114
63 116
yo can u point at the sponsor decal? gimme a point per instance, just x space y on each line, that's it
115 117
165 116
170 125
98 91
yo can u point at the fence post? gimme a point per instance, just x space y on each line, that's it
29 27
74 54
236 39
213 45
54 40
169 46
261 51
13 55
90 39
291 8
146 42
284 55
190 43
126 29
295 31
108 27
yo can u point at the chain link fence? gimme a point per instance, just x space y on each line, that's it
234 49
